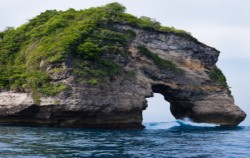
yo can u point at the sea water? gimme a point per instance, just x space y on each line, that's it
159 140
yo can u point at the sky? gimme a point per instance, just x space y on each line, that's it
223 24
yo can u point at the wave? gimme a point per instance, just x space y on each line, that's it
179 124
160 125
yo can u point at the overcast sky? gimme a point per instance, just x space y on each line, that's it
223 24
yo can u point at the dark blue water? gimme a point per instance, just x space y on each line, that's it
174 139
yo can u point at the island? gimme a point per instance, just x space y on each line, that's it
94 68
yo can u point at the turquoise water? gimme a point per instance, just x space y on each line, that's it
172 139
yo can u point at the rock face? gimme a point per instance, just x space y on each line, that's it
118 102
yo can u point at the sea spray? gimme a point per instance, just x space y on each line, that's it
184 123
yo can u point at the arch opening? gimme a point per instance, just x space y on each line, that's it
158 110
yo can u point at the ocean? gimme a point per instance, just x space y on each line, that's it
158 140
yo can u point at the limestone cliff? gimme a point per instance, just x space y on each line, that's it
151 61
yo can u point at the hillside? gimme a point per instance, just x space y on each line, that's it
55 36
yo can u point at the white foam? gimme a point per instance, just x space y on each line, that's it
189 122
186 122
160 125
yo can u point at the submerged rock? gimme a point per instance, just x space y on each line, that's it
151 61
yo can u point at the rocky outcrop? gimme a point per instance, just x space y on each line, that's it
118 101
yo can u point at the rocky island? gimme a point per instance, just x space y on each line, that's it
95 68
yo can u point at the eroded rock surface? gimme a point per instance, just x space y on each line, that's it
118 101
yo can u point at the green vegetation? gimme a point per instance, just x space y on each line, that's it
1 35
219 77
157 60
88 50
85 37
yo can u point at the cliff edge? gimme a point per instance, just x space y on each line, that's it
96 67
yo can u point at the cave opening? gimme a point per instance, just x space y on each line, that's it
158 110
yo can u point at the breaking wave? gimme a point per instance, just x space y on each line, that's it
178 124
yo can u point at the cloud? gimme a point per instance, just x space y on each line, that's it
232 41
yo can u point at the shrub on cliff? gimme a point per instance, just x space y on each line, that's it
219 77
88 50
157 60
